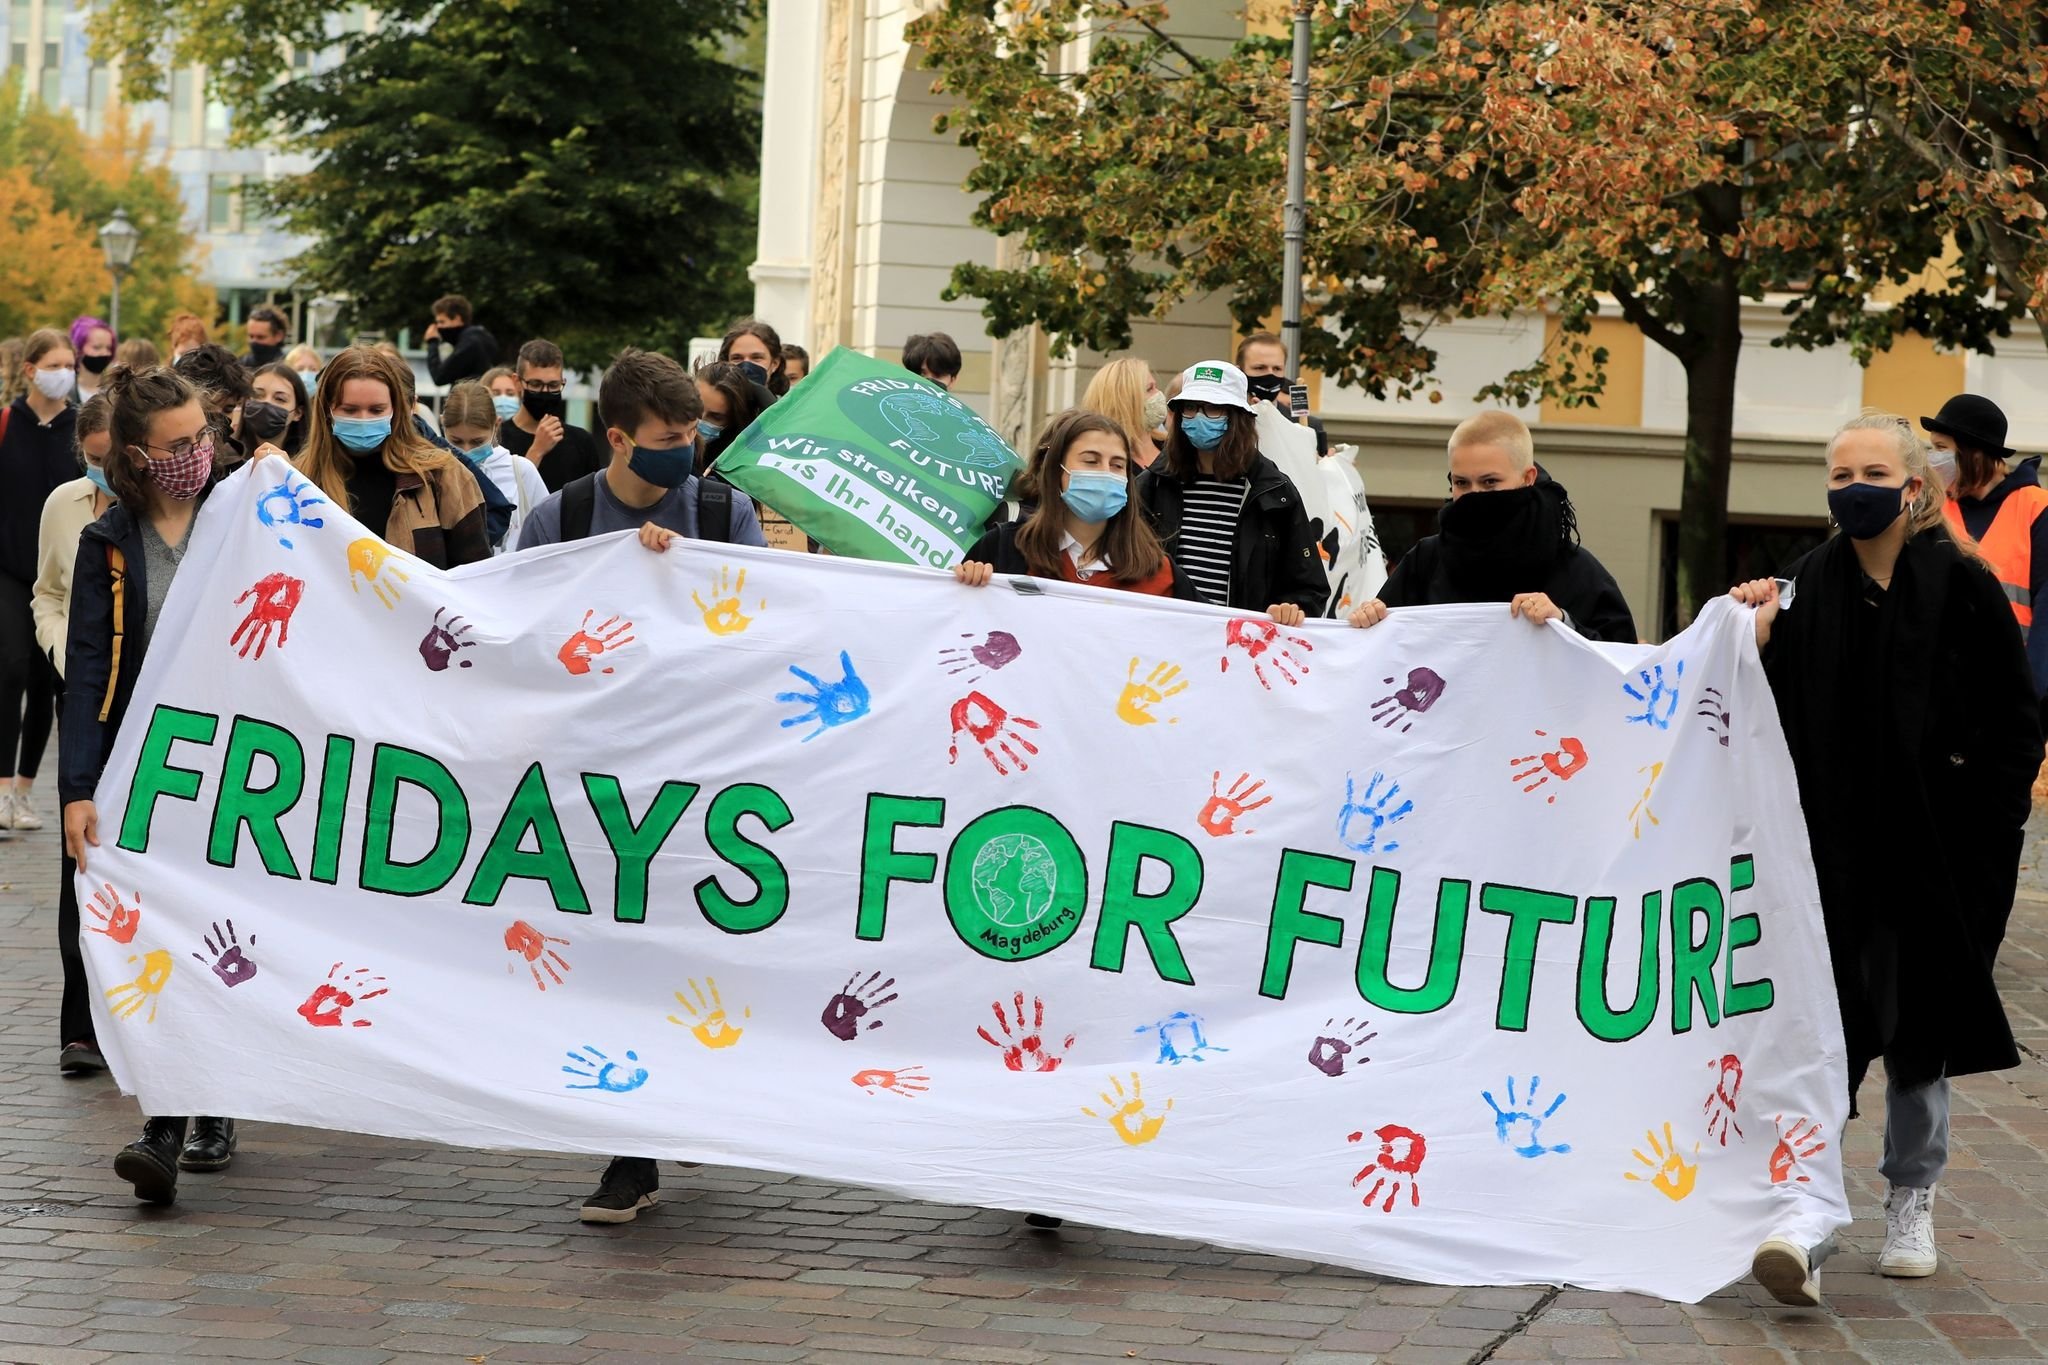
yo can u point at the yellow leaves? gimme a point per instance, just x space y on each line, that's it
50 266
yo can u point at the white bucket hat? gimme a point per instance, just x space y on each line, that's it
1213 381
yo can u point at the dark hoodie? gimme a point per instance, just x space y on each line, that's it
1514 541
475 351
1978 514
34 459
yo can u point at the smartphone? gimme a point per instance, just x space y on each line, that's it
1297 398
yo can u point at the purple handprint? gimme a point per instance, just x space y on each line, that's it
996 650
224 955
1402 705
844 1011
1329 1052
443 638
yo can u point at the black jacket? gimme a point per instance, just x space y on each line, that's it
1578 583
34 459
1915 780
475 351
1274 557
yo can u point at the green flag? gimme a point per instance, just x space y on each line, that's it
874 462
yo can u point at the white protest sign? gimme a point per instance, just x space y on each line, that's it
1453 949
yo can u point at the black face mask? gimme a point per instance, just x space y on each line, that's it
1498 544
264 421
544 404
754 372
95 364
1266 386
452 334
266 355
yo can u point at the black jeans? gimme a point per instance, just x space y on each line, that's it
28 684
74 1015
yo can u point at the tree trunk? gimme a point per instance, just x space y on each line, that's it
1716 322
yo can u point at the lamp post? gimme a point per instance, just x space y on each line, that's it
118 239
320 316
1295 234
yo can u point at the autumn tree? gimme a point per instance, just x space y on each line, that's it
50 271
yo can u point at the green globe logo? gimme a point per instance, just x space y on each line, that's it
1016 884
1014 880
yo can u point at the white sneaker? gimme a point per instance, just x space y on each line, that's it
1908 1234
1785 1271
6 811
23 815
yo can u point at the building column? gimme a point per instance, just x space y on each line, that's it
781 271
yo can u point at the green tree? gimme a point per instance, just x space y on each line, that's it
577 170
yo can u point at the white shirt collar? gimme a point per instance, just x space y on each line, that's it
1073 548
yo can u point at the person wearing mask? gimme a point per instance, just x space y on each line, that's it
1233 523
93 342
367 457
541 430
1263 358
69 510
503 385
469 349
138 353
1908 707
276 411
223 387
753 342
1507 535
305 362
796 363
935 356
268 330
1125 391
732 400
160 464
471 426
188 333
36 457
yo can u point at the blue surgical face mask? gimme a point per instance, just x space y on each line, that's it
362 433
664 468
99 479
310 378
1865 511
506 405
1094 495
709 431
1204 432
476 454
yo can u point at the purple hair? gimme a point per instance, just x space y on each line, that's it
81 328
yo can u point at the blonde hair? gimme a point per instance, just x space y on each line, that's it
1925 513
497 372
468 405
326 461
302 349
1502 429
1118 392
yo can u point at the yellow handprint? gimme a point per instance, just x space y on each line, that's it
369 557
1123 1107
128 998
708 1020
1670 1172
1134 707
722 615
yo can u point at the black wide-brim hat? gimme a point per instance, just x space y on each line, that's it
1975 421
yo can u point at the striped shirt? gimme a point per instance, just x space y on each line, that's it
1208 534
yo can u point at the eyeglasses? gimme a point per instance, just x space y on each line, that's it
555 387
179 450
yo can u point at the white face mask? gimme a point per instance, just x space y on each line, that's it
1944 465
55 383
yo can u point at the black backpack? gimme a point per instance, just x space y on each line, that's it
714 508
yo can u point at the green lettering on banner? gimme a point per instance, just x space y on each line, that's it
634 846
1595 947
154 775
332 817
1527 911
1744 997
1016 884
881 862
237 804
391 767
1289 922
722 828
1125 908
532 808
1692 961
1446 947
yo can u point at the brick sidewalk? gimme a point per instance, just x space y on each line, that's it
328 1247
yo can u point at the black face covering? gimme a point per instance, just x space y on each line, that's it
1266 386
544 404
264 421
451 334
95 364
266 355
1498 544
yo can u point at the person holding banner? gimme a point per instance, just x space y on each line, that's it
1908 707
1231 520
160 466
1517 544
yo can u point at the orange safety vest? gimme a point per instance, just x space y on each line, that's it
2008 543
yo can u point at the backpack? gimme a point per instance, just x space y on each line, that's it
714 508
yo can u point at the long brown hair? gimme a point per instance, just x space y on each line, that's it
134 398
325 460
778 375
1234 458
1128 541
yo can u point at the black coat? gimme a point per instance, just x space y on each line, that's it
1578 583
474 352
1915 781
1274 557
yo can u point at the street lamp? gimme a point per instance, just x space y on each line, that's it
118 239
1295 234
321 314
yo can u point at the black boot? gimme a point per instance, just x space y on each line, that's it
150 1163
212 1146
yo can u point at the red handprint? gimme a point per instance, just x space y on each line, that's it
277 597
120 922
1265 645
993 728
1026 1052
1564 763
1719 1107
1402 1169
1794 1146
331 998
586 644
530 943
1220 812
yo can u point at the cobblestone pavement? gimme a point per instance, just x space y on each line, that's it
347 1250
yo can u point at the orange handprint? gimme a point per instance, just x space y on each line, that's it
586 644
1219 814
909 1081
120 922
1564 763
1794 1146
530 943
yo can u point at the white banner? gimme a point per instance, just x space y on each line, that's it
1455 949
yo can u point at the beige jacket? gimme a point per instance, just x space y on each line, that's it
66 514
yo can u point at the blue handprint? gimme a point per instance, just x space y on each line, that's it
1177 1031
603 1073
1518 1128
1376 815
1659 699
285 505
831 703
